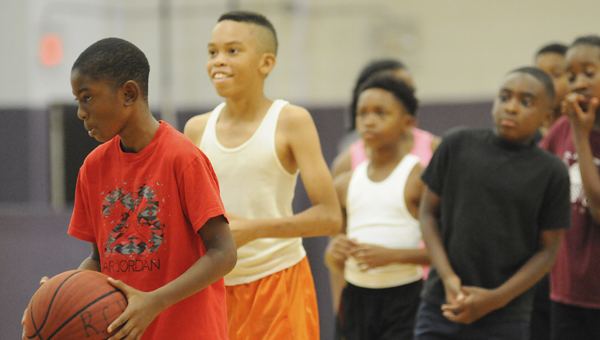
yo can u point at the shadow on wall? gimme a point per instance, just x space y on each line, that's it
34 241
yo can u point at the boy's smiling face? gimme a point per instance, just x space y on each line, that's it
235 57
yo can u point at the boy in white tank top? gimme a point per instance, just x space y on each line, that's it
258 147
379 255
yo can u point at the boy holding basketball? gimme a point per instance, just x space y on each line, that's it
258 146
148 201
492 216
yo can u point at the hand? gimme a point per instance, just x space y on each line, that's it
371 256
339 250
241 230
142 309
42 281
453 290
477 303
582 118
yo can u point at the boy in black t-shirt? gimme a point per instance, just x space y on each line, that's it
492 214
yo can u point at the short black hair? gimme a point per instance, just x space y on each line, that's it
592 40
555 47
373 68
401 91
116 60
252 18
540 76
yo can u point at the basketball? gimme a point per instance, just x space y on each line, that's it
76 304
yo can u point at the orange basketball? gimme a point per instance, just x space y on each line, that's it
74 305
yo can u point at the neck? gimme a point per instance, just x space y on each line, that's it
246 108
514 144
391 153
139 131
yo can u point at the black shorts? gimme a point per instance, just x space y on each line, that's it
378 314
540 316
432 325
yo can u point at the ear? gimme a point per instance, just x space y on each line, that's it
267 63
131 92
410 120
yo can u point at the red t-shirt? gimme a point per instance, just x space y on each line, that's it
575 277
143 210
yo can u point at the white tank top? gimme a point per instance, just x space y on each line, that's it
377 214
254 185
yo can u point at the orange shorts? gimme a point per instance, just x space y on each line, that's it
280 306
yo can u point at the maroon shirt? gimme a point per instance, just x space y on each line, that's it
575 277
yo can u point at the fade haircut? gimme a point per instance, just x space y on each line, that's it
540 76
591 40
115 60
371 69
256 19
398 88
556 48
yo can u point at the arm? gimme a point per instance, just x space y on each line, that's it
324 216
194 128
429 212
371 256
582 123
92 262
143 307
337 252
480 302
339 247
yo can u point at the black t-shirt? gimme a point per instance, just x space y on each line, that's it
496 198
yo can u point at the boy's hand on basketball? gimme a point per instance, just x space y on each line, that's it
371 256
581 112
142 309
477 303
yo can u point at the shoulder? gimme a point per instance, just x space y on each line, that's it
298 127
194 127
547 164
424 136
561 125
180 150
99 154
342 163
294 116
559 131
459 135
552 162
